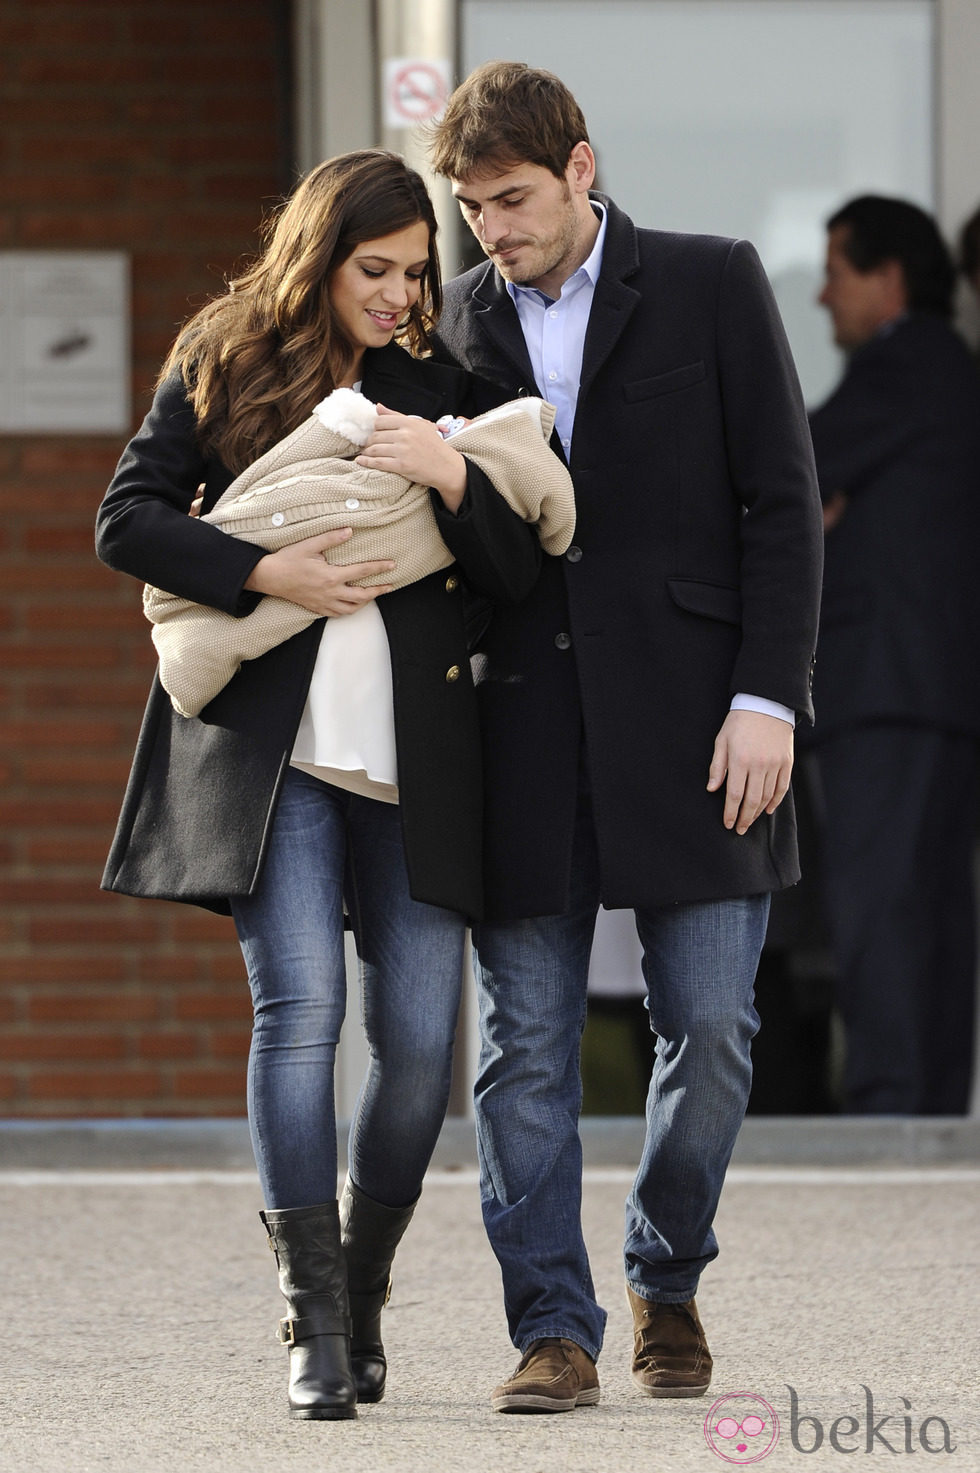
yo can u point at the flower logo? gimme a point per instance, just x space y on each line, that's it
741 1428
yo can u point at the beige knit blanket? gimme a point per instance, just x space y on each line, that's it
307 484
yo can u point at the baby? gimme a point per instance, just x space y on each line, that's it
309 483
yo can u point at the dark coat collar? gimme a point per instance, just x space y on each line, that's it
620 258
612 306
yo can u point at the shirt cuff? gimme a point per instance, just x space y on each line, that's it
742 702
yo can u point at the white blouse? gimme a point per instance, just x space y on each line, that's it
346 734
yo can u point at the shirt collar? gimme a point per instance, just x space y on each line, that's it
588 271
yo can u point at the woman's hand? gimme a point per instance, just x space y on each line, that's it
301 574
414 448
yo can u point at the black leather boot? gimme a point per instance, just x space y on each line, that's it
313 1280
371 1233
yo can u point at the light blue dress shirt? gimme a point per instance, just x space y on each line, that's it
554 331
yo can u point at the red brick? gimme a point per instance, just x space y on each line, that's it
43 540
27 112
229 1081
87 655
40 893
226 966
53 1046
41 188
83 230
201 925
230 1044
75 71
76 733
89 1007
51 616
36 814
94 1084
213 1007
77 772
110 690
55 28
163 1045
169 970
66 851
96 150
94 457
75 578
120 930
38 968
251 34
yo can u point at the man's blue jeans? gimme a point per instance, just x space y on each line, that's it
328 845
699 964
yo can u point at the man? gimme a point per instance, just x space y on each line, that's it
615 772
898 455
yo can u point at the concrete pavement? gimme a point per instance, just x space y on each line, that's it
140 1303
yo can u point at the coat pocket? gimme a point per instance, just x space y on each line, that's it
664 383
713 600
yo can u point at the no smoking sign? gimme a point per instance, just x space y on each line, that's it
416 90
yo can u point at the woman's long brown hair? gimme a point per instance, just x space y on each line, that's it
259 357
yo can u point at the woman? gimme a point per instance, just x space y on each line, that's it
341 770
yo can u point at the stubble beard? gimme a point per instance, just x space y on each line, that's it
546 256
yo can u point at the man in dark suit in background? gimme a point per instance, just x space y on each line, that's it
638 711
897 447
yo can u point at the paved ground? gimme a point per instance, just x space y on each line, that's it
139 1308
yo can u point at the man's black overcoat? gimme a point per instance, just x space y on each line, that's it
694 574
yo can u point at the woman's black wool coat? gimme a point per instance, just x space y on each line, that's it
202 793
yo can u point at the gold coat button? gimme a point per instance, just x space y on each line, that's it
452 673
452 583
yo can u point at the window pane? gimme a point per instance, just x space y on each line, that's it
747 118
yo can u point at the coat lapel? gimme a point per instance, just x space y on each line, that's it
495 315
614 301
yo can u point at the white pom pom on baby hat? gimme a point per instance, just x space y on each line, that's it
349 414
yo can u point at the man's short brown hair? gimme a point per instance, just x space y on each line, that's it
505 114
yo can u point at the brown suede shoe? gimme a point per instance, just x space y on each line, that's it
670 1354
553 1376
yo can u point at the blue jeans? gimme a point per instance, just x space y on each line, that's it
699 964
328 845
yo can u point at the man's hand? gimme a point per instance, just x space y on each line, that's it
833 509
756 754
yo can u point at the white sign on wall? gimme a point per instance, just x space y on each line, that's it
64 342
416 90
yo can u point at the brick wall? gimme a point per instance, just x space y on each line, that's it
158 129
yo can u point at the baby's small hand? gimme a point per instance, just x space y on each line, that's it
449 424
